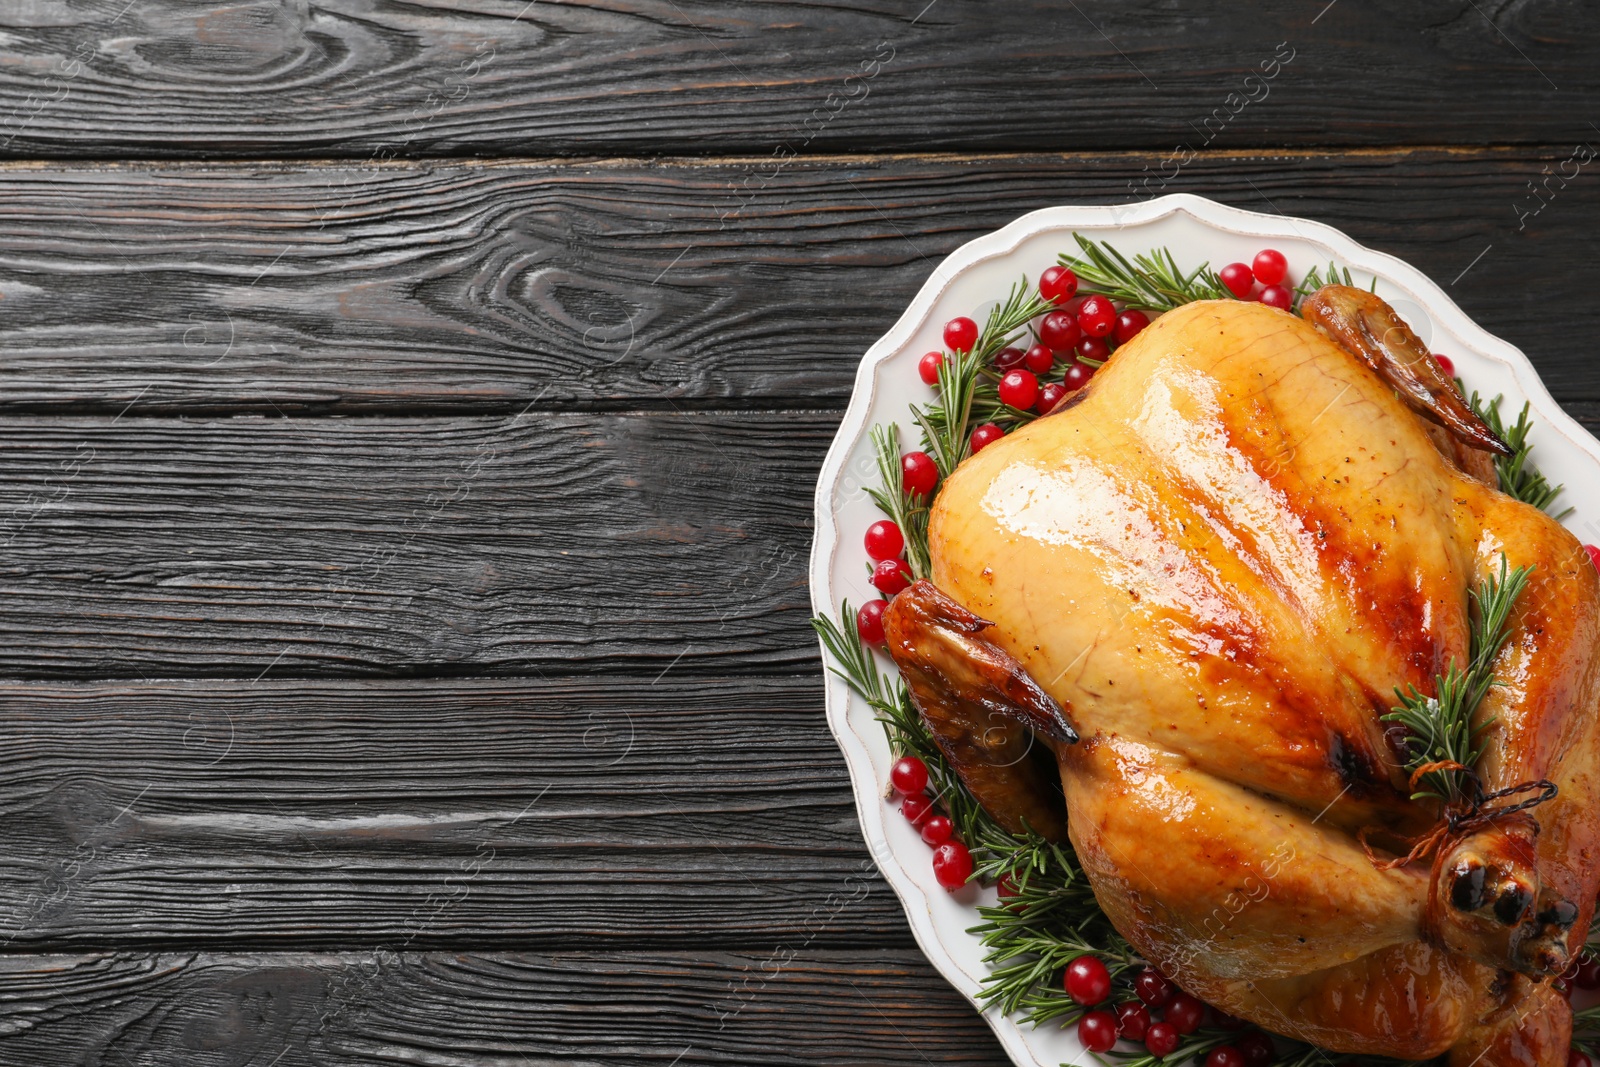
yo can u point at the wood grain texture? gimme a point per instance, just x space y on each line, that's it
448 287
578 804
445 813
248 546
261 78
842 1008
647 544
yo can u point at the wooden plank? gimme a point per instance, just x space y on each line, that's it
446 813
348 77
248 546
446 287
867 1007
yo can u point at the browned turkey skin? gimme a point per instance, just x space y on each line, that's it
1197 585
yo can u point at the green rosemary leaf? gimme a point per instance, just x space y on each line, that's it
1193 1047
1518 479
852 661
1153 281
908 512
1494 598
1004 326
1441 727
1586 1028
1316 278
945 422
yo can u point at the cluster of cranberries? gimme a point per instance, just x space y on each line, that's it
952 861
1081 333
1089 983
1269 270
885 545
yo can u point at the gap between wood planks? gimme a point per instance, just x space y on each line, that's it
361 162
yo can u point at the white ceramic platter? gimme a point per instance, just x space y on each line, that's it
971 280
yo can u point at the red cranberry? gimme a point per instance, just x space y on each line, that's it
1225 1056
960 334
1133 1020
1588 976
884 541
1039 359
916 807
1129 323
1186 1013
986 435
938 829
1161 1039
1051 395
1007 358
1058 331
952 864
1576 1058
1077 376
1058 284
1257 1049
918 473
1269 266
1446 365
1087 981
1236 276
869 622
1153 987
1094 348
928 367
1277 296
1019 388
1098 316
1594 555
891 576
1098 1031
909 775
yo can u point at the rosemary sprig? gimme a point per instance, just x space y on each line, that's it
1316 278
1006 322
1153 281
1518 478
1586 1030
908 734
1053 919
944 423
1196 1046
987 406
1440 727
1050 919
853 663
908 512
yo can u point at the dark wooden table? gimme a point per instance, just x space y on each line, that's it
410 418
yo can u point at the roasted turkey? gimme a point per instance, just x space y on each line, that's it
1166 621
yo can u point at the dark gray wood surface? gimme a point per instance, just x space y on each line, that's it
442 286
259 78
409 415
